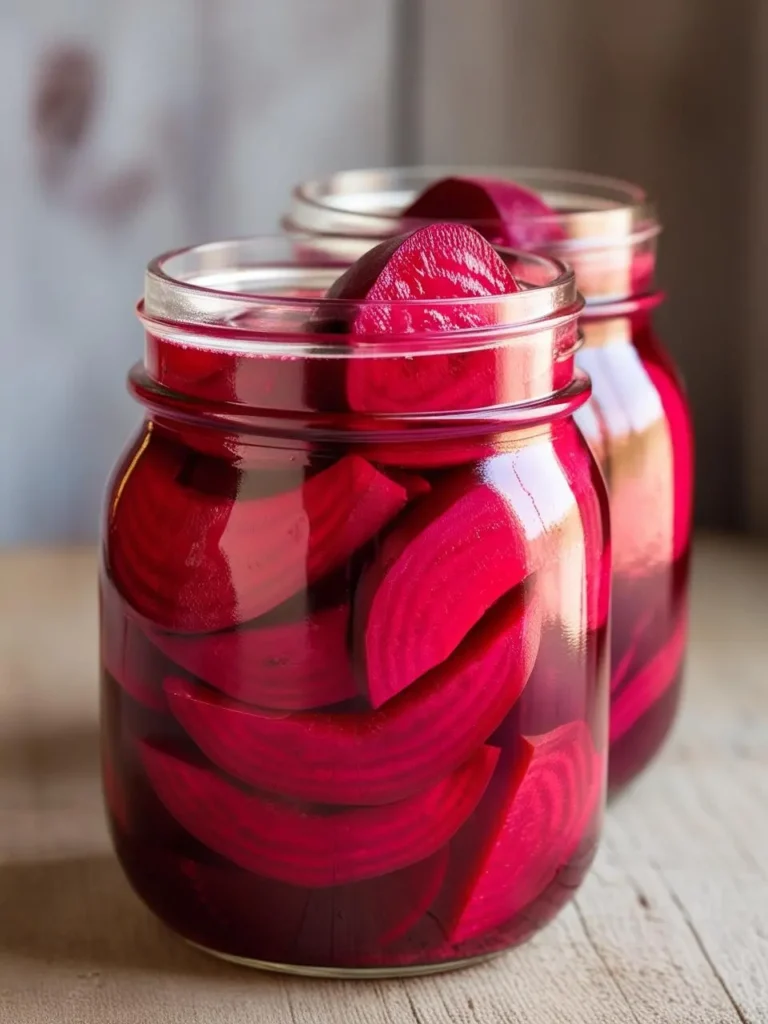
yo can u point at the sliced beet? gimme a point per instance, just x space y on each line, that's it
528 827
128 656
290 666
434 577
415 486
503 211
664 378
264 919
640 693
115 797
196 562
374 757
588 488
310 847
439 262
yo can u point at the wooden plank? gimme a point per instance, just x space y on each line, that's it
653 92
754 376
669 928
131 128
297 90
95 109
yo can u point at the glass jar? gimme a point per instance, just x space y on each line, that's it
637 419
354 652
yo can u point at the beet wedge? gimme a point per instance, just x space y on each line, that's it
586 483
289 666
374 757
128 656
442 566
308 847
436 263
502 211
527 828
263 919
640 693
196 562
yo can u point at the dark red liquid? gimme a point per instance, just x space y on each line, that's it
638 423
354 711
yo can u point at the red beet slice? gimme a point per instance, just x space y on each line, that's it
415 486
115 797
529 826
588 487
681 435
309 847
374 757
195 562
503 211
128 656
290 666
341 925
434 577
442 261
641 692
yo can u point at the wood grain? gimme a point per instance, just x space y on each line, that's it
670 928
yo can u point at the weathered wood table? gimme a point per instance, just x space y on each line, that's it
672 925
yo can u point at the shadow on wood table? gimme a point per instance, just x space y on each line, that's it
81 911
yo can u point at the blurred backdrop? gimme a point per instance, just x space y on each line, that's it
132 126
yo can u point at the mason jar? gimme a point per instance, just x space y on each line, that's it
354 649
637 420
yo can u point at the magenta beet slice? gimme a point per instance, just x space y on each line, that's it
128 656
309 847
290 666
681 435
195 562
442 261
265 919
504 212
586 482
374 757
641 692
532 824
434 577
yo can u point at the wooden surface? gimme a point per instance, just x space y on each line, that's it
670 928
129 127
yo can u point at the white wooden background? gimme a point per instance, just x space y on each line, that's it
203 112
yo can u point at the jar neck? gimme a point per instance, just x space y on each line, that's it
614 323
607 228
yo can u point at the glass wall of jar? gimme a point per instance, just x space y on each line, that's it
637 419
354 650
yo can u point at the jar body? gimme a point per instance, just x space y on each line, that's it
341 698
638 424
637 420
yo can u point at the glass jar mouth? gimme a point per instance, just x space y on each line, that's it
267 293
593 211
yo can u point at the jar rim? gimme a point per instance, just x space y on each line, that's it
245 293
593 210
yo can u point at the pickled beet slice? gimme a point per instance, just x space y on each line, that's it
504 212
289 666
681 435
442 261
268 920
195 562
586 483
434 577
533 820
306 846
374 757
642 691
128 656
